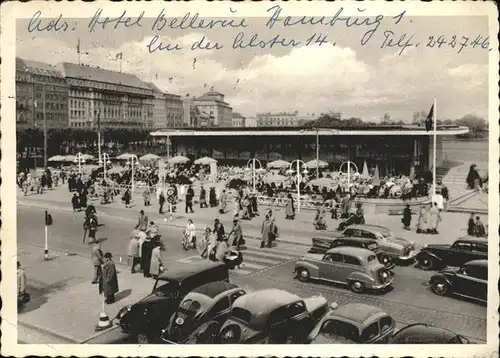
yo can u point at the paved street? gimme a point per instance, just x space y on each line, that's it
62 284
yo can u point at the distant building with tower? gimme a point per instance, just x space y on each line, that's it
212 104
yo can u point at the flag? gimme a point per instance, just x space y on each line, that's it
78 47
429 120
119 56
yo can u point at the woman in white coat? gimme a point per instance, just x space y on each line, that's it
191 232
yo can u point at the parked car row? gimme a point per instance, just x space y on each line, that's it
354 258
196 304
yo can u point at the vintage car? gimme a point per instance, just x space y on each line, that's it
421 333
438 256
201 313
356 267
321 245
470 280
272 316
353 323
398 249
146 318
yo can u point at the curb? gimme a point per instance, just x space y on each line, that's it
46 332
159 223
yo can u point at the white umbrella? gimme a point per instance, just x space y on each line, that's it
312 164
275 179
149 157
124 156
365 174
116 170
205 161
178 160
57 158
69 158
278 164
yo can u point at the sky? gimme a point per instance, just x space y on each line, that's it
364 81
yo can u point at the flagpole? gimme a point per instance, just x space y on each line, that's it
434 120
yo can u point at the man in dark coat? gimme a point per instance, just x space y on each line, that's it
189 199
109 281
212 197
471 226
480 230
161 200
146 251
75 203
203 198
406 217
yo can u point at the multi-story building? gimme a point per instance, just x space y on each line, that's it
174 110
40 86
159 107
213 105
238 120
250 122
281 119
113 99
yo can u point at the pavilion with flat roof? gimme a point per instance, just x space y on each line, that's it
394 148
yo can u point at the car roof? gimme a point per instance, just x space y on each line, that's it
182 271
368 227
473 239
355 238
482 263
213 289
350 250
356 312
423 330
265 301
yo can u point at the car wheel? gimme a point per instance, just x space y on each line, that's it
440 287
209 336
142 338
426 263
357 287
303 274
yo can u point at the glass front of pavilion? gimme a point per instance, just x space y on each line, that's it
393 154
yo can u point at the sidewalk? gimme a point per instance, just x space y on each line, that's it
299 231
65 306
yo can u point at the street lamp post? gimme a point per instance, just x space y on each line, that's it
349 163
254 160
104 160
298 165
80 159
133 160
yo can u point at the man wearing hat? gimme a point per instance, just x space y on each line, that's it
97 259
109 282
146 252
237 233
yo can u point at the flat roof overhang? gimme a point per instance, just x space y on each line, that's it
227 132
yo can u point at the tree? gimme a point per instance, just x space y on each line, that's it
476 124
386 118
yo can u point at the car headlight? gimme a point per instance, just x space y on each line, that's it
385 275
179 321
129 308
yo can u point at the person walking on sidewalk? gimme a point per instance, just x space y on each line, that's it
22 296
290 208
406 220
189 199
126 198
142 224
237 233
209 242
161 200
471 226
147 197
434 218
109 279
479 229
223 202
156 265
219 231
191 232
265 232
97 259
133 253
203 198
75 203
212 198
146 252
445 193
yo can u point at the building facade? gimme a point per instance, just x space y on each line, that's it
238 120
212 104
281 119
251 122
174 110
159 119
38 86
107 98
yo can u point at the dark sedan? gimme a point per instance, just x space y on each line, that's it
435 257
470 280
421 333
